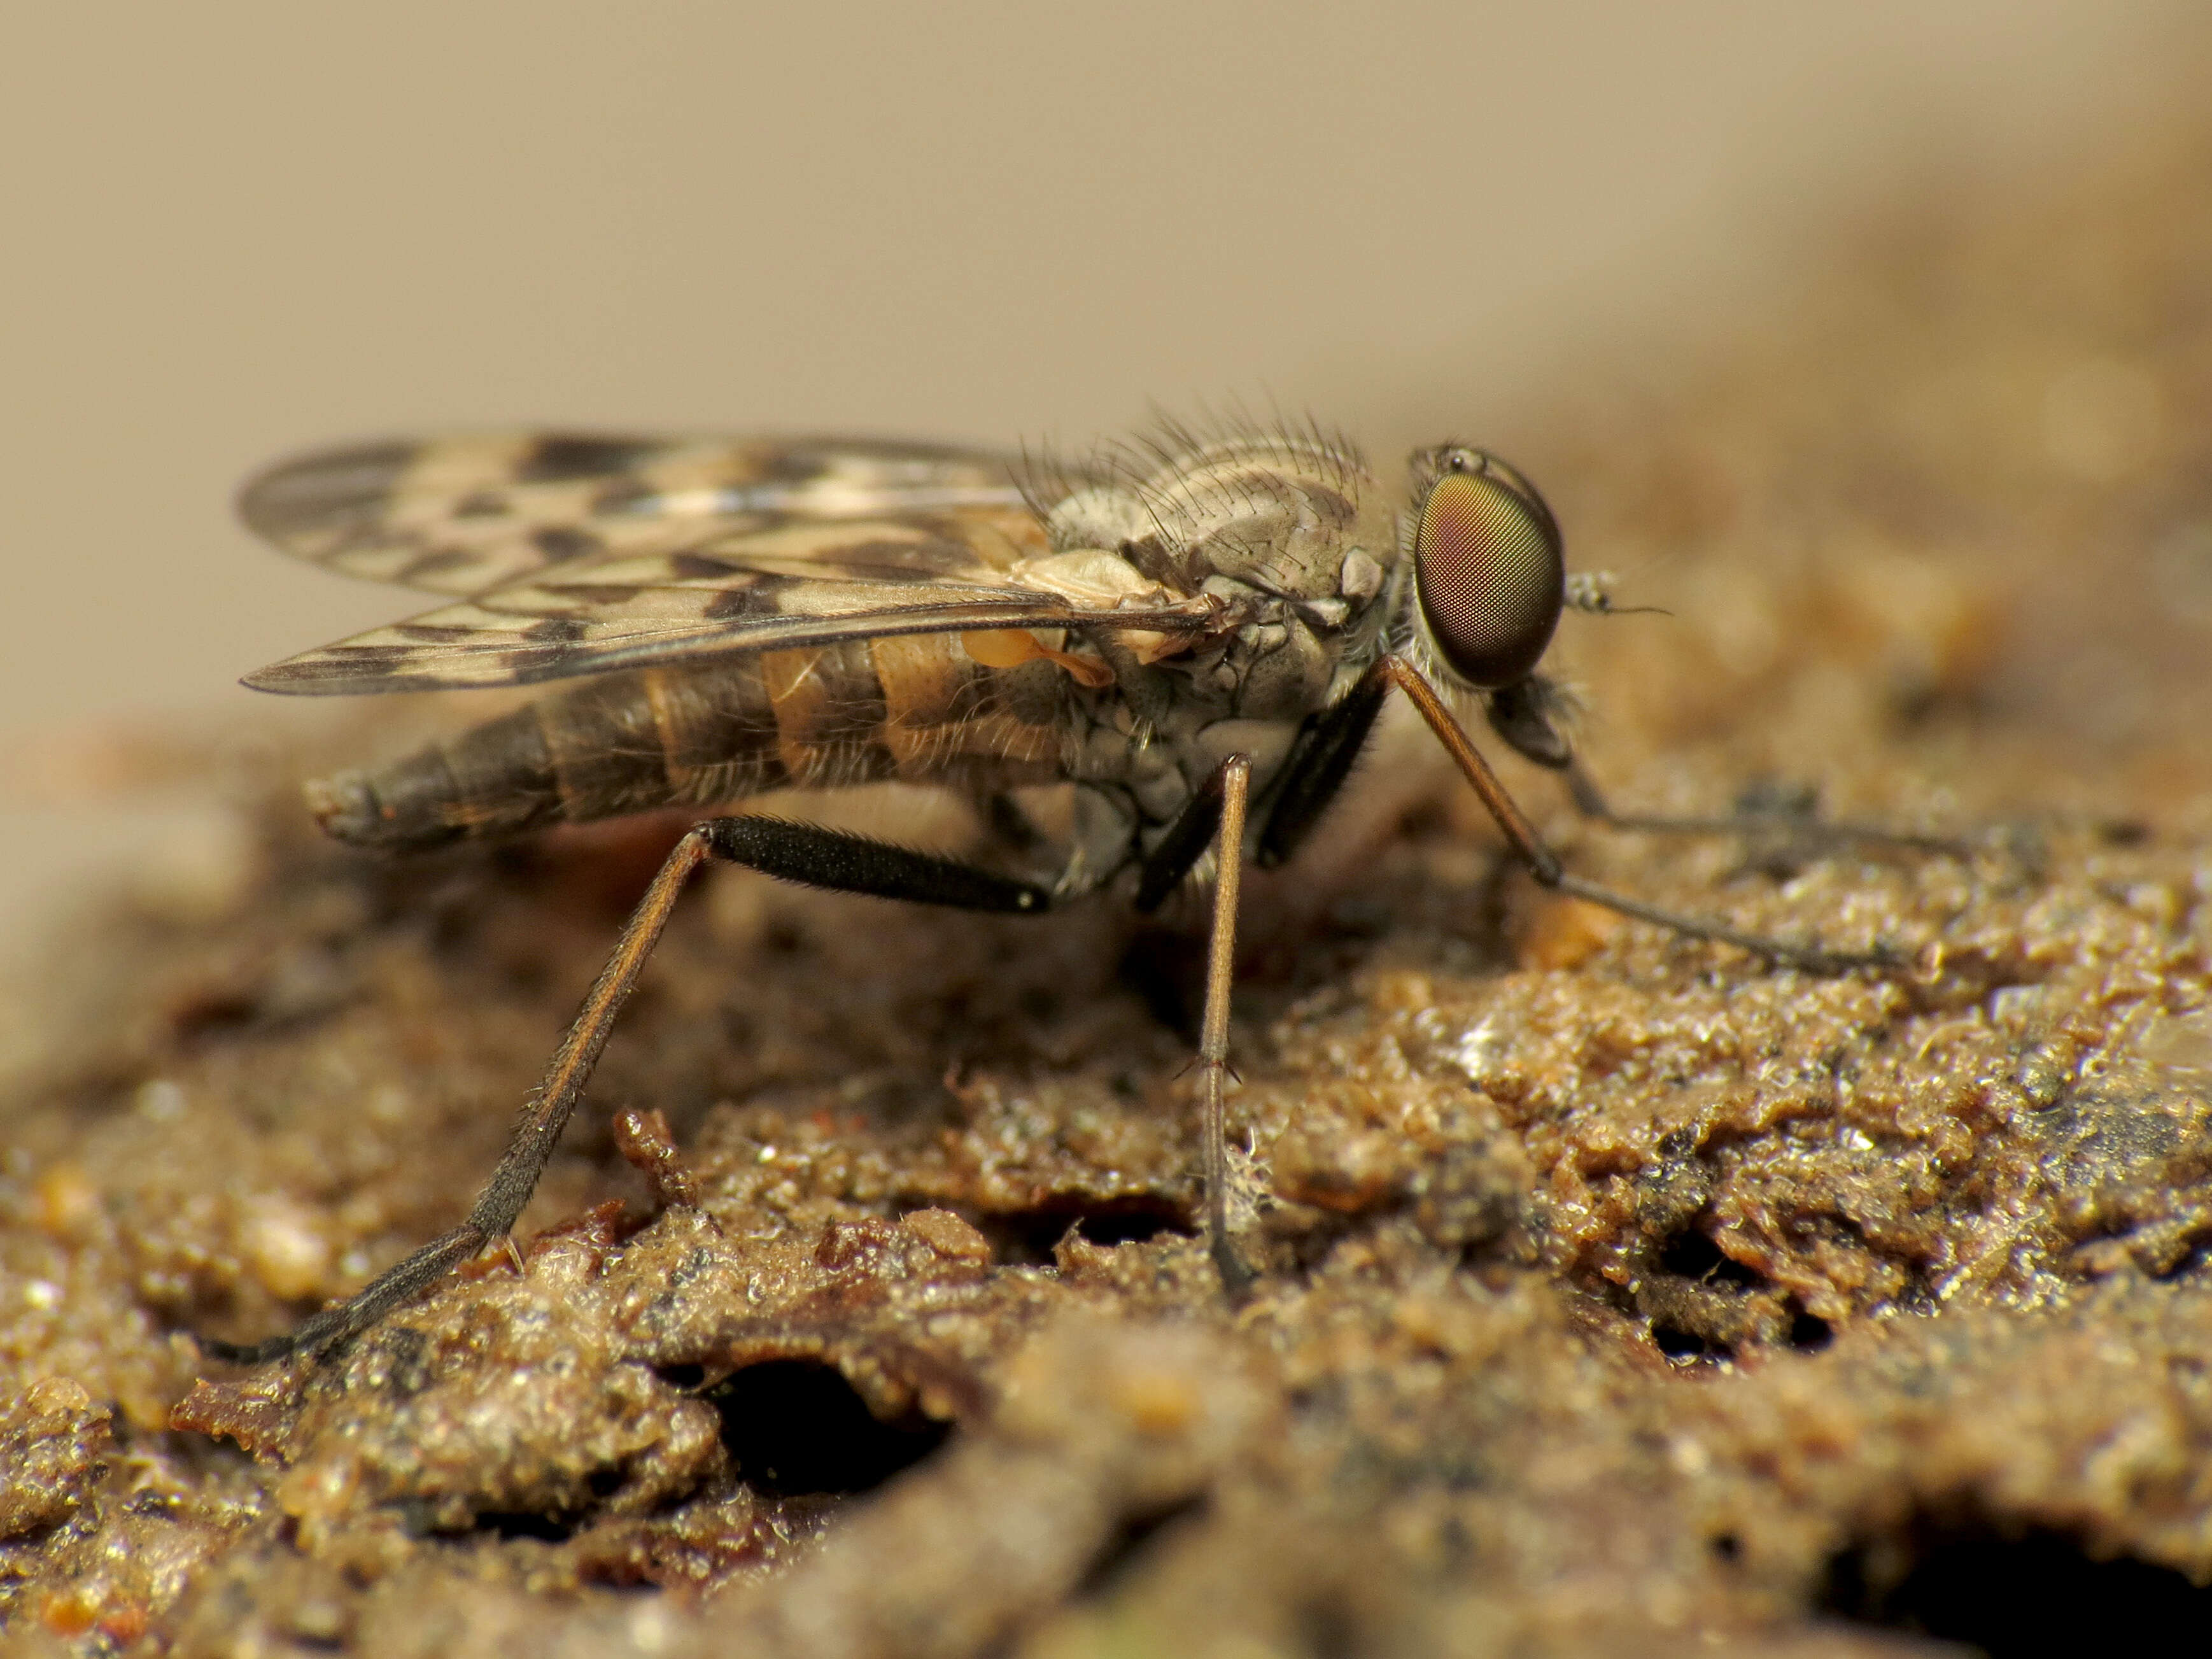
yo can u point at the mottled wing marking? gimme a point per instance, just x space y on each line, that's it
792 585
461 515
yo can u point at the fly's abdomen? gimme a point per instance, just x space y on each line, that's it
701 734
619 743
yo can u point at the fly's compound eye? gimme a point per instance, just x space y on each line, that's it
1489 571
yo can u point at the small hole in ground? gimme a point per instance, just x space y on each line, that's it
2012 1597
1127 1542
1809 1333
1690 1255
1686 1347
793 1426
1028 1236
503 1524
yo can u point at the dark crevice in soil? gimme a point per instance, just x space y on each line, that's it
2014 1594
1127 1542
1690 1253
792 1426
1684 1347
549 1529
1704 1307
422 1518
1809 1333
1027 1237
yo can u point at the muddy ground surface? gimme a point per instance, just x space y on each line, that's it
1621 1295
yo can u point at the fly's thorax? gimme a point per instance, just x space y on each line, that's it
1276 667
1292 516
1129 795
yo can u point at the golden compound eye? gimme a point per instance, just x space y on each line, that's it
1489 571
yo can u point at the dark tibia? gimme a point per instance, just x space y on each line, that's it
1184 845
857 864
1326 752
797 852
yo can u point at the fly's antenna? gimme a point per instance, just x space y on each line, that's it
1591 593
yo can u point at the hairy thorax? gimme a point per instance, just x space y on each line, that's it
1297 545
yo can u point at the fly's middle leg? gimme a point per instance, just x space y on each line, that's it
1213 1038
1214 816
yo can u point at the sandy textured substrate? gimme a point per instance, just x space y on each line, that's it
1622 1295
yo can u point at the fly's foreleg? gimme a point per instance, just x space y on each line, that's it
1543 864
1792 821
795 852
1783 825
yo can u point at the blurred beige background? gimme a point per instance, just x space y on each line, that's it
237 229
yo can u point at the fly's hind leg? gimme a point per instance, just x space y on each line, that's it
796 852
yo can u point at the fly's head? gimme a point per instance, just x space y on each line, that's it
1490 576
1488 583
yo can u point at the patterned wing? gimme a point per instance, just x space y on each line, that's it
462 515
799 583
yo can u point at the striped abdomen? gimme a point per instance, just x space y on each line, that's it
983 710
